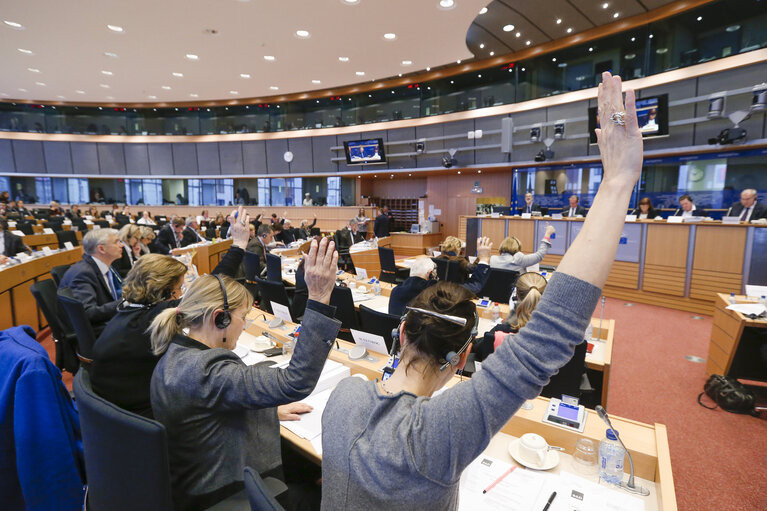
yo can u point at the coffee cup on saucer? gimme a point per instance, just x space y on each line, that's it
533 448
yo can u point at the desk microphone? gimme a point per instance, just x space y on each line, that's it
601 317
728 211
677 211
630 486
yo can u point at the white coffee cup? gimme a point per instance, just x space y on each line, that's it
533 448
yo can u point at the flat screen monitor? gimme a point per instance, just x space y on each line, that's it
652 116
365 152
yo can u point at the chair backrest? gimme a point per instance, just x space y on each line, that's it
455 273
499 285
386 258
273 268
56 226
64 236
44 292
379 323
271 292
25 227
341 299
259 495
251 263
315 231
57 272
126 455
441 267
75 312
104 224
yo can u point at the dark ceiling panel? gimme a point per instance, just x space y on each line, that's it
625 8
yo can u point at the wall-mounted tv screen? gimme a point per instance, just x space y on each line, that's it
365 152
652 116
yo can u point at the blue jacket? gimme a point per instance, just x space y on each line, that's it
412 286
40 446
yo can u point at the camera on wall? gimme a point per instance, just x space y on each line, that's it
729 136
449 159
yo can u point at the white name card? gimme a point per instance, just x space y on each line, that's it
281 312
372 342
362 273
88 222
526 215
631 218
48 230
96 226
556 216
67 222
17 233
47 250
730 219
675 220
11 224
68 245
23 256
693 219
495 215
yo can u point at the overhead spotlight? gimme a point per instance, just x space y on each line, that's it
716 106
420 146
448 161
729 136
759 101
559 130
535 134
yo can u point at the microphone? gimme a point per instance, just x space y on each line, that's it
677 211
728 211
629 486
601 317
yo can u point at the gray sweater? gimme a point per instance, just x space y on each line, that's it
221 414
405 452
519 261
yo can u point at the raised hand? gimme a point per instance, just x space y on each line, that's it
320 266
239 229
549 230
484 245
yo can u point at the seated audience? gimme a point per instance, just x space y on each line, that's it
147 240
22 209
220 413
260 246
748 208
511 257
122 355
574 210
305 230
55 209
687 208
146 219
74 213
287 235
203 217
93 281
345 238
93 212
10 244
170 235
529 206
191 233
411 456
645 211
452 249
5 197
130 236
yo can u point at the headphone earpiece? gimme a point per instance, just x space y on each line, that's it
223 319
452 359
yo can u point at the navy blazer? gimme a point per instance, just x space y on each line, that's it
166 239
533 207
382 225
89 287
189 236
696 212
13 244
579 210
760 211
402 295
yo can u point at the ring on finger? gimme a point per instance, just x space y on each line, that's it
618 118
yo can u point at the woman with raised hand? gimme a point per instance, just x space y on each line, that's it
122 355
222 415
386 445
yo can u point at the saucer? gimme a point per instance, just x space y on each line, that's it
261 344
551 461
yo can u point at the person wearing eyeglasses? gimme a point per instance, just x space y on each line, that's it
392 444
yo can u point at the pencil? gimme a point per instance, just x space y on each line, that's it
499 479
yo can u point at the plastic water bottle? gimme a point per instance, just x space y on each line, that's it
377 288
287 348
763 300
495 314
732 298
589 335
611 456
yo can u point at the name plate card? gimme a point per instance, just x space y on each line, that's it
631 218
556 216
281 312
68 245
675 220
17 233
731 220
47 250
372 342
526 215
48 230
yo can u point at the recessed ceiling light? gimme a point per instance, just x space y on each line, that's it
244 75
41 84
400 75
508 28
616 15
302 33
392 92
165 87
192 56
633 39
103 85
699 18
651 36
360 73
559 20
25 51
492 53
553 59
274 87
107 73
458 61
428 69
110 97
447 4
343 59
270 58
479 76
234 92
481 45
390 36
523 69
483 10
452 82
110 54
591 48
32 69
605 5
527 43
152 97
407 62
351 2
661 51
61 97
13 24
569 30
459 171
178 75
116 28
316 82
518 34
21 89
630 56
194 95
731 28
80 91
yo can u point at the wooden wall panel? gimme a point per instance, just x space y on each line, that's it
705 284
667 245
663 279
386 188
624 274
6 310
719 249
495 229
24 305
524 231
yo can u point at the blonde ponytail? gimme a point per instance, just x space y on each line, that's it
530 287
162 330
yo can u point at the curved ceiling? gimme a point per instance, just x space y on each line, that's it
142 51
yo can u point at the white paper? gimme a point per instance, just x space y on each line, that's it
477 366
518 491
436 212
317 444
48 230
731 220
693 219
17 233
556 216
372 342
472 259
281 312
88 222
747 308
23 256
575 492
362 273
47 250
526 215
436 253
756 291
11 224
361 297
68 245
631 218
675 219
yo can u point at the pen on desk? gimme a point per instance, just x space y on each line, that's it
551 499
499 479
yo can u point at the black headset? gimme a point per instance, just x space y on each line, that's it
224 318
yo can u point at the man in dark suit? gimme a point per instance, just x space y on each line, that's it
191 233
575 209
170 235
529 206
382 223
345 238
288 234
11 244
748 209
22 209
687 208
258 245
74 213
92 280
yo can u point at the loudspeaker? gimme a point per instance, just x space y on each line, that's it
507 129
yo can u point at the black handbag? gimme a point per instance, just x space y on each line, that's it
729 394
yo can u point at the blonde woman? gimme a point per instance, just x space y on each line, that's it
146 240
511 257
129 235
222 415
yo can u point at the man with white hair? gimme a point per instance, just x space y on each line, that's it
190 234
287 235
93 281
748 208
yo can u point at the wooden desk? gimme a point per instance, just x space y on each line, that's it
736 341
207 256
17 305
412 244
648 443
38 241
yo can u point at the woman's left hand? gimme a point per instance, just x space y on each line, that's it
292 411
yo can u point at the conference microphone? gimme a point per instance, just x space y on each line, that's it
677 211
601 317
630 486
728 211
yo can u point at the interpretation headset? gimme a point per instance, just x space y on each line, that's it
224 318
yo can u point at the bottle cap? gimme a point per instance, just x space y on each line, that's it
611 434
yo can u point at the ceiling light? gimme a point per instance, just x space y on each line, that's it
110 54
165 87
41 84
152 97
316 82
233 92
518 34
178 75
32 69
360 73
270 58
458 61
559 20
733 28
479 76
61 97
343 59
562 64
569 30
400 75
25 51
661 51
193 95
428 69
523 69
274 87
591 48
447 4
630 56
700 18
244 75
80 91
13 24
616 15
508 28
21 89
116 28
633 39
302 33
351 2
107 73
553 59
481 45
605 5
407 62
492 53
390 36
650 36
192 56
527 43
452 82
103 86
483 10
